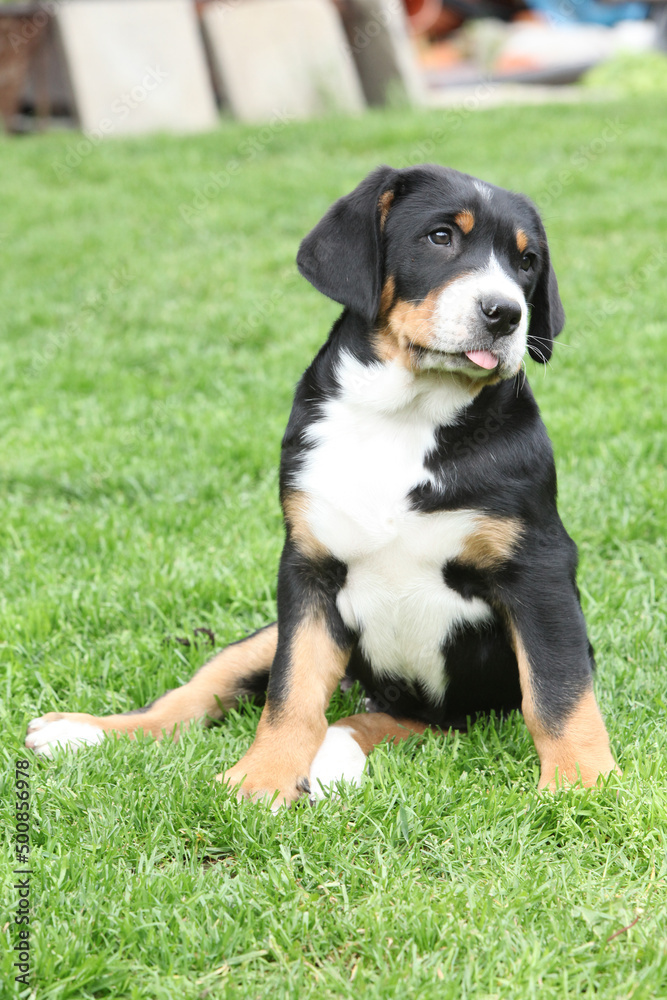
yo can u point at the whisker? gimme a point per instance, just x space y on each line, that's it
541 356
520 378
554 343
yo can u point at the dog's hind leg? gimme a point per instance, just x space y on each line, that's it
238 671
347 744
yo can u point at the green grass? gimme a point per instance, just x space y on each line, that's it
147 369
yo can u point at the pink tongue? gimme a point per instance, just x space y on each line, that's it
485 359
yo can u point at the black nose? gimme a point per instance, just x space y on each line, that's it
501 316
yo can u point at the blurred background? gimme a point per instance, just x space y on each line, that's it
132 66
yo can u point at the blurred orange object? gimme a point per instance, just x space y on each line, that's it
429 17
439 55
516 63
530 15
21 38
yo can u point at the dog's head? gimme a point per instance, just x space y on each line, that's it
450 273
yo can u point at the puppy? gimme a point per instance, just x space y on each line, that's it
424 555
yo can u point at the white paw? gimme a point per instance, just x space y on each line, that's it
340 758
43 736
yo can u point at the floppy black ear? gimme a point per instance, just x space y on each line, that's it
342 255
547 317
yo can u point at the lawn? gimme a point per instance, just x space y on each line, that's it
152 330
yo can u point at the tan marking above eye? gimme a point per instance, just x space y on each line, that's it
492 542
465 221
521 240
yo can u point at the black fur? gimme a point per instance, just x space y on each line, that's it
306 588
342 256
496 459
346 255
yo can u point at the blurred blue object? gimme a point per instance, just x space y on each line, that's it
589 11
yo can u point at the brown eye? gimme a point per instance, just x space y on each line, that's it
441 237
527 261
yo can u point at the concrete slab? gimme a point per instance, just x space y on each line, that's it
281 56
136 66
380 45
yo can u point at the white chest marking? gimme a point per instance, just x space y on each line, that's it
368 453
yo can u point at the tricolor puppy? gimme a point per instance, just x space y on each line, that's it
424 555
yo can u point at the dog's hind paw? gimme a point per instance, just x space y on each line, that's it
54 731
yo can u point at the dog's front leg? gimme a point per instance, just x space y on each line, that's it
309 664
570 738
313 651
556 675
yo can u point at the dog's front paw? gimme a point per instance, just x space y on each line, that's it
252 780
587 774
58 730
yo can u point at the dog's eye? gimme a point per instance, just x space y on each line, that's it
527 261
441 237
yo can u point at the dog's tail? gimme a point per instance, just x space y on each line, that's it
238 671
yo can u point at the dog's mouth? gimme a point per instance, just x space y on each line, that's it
482 359
478 363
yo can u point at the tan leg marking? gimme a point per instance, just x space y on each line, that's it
369 729
521 240
295 510
580 752
384 204
216 687
492 542
465 221
289 736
